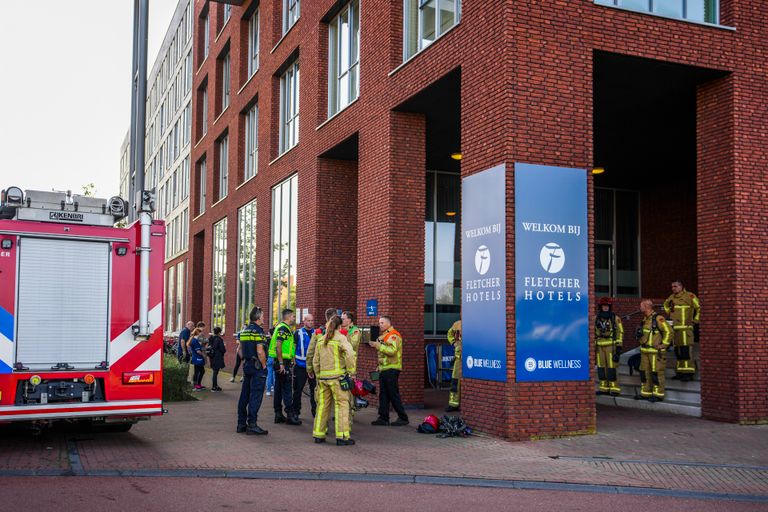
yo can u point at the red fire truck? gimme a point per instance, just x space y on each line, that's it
81 332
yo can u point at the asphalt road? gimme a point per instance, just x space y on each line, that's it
41 494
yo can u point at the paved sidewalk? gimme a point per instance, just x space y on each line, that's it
632 449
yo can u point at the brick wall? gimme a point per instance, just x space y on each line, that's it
526 72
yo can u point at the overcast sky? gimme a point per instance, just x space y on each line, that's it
65 93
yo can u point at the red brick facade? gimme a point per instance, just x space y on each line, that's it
526 71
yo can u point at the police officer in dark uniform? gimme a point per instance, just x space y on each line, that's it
253 350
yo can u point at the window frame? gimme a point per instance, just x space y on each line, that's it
201 195
206 35
246 257
219 266
713 4
223 167
226 80
336 70
251 146
292 243
253 43
407 23
290 15
289 126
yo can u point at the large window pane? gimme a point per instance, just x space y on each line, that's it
284 246
181 277
253 43
627 229
694 10
290 13
343 59
289 108
201 186
672 8
219 280
225 82
603 214
251 143
442 287
425 21
223 167
246 261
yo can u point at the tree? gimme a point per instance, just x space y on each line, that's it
89 189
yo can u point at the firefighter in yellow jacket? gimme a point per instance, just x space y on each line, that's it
389 345
609 336
454 338
654 337
333 363
684 309
353 334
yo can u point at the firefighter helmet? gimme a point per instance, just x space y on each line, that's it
430 425
605 301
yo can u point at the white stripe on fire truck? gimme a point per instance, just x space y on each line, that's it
117 405
126 341
6 351
151 364
78 414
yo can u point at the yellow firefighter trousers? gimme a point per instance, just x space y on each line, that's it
329 393
453 397
683 342
652 368
606 369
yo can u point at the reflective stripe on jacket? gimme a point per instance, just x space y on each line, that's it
390 350
284 334
333 358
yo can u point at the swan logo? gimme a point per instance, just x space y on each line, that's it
552 258
470 362
482 260
530 364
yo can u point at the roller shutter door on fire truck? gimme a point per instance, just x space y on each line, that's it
63 303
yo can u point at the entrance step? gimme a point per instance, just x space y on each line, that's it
668 405
669 372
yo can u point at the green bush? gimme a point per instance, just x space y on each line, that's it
176 388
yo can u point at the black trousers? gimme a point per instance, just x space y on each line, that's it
215 378
283 389
300 379
389 394
238 362
197 378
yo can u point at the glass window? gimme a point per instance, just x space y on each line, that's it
219 281
203 171
617 247
223 167
169 281
290 14
225 82
284 246
253 44
180 285
694 10
289 108
425 21
344 58
227 13
246 261
204 109
251 143
442 250
206 35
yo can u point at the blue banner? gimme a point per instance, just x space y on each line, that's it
551 274
483 272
